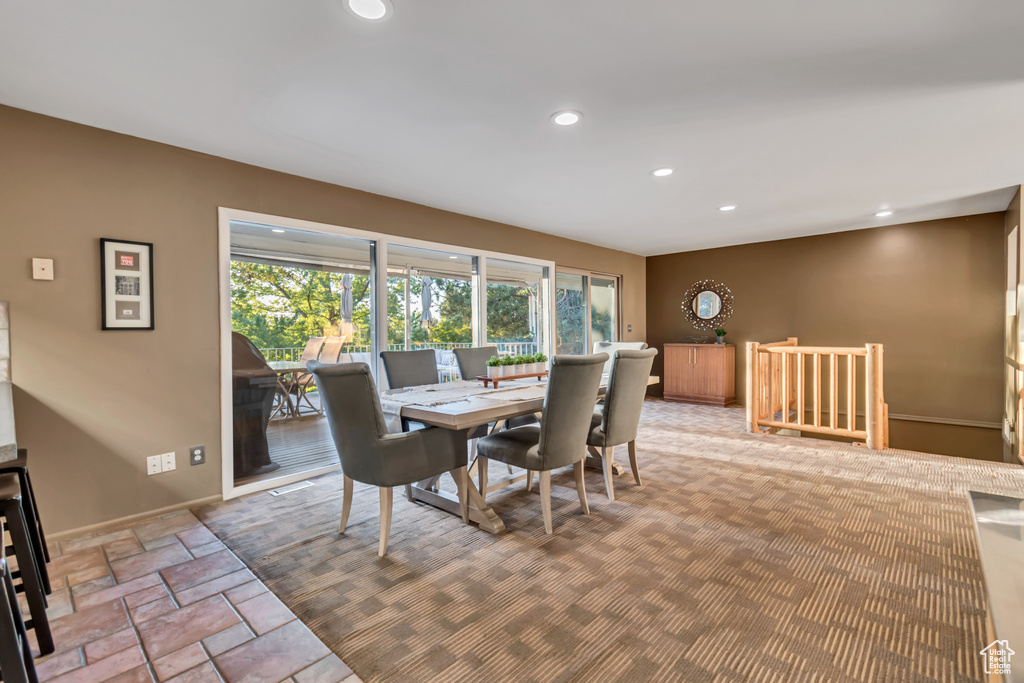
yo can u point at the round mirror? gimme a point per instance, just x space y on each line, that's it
707 304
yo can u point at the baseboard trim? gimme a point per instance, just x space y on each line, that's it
92 528
945 421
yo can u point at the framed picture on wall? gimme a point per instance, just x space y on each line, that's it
126 283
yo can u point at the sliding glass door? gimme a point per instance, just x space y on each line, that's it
296 295
571 313
292 291
587 310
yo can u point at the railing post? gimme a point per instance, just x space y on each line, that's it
753 391
874 408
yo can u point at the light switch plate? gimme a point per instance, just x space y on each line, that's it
167 460
42 269
197 455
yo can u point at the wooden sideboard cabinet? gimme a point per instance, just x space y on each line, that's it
700 373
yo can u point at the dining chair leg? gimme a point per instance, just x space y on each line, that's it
632 462
606 465
346 504
461 482
529 480
481 463
577 469
545 499
385 519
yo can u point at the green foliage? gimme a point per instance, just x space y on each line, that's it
539 358
493 362
720 332
276 306
282 307
508 360
508 313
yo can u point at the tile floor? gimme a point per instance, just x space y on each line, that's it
164 600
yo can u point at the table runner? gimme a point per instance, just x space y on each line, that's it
392 401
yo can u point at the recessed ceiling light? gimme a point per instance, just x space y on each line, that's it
566 118
727 207
883 214
371 10
277 230
662 172
453 257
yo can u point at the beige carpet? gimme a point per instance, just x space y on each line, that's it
743 558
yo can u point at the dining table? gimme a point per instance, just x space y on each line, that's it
465 405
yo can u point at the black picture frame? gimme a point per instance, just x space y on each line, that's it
126 285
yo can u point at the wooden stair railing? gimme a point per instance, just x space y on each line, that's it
778 383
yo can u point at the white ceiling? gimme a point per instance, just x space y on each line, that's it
810 115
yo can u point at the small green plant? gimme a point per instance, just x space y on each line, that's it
720 332
508 360
540 358
493 362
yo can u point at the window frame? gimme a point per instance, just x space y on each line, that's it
379 242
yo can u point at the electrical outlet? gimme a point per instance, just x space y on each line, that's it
197 455
153 464
168 461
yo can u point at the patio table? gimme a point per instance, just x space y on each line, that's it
464 405
287 378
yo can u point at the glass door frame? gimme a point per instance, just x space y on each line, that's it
587 275
379 319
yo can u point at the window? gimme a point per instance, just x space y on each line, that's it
292 292
571 313
285 282
587 306
603 309
517 308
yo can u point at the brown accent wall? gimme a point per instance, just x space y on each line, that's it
90 405
931 292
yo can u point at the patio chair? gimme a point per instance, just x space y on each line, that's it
473 362
561 438
305 380
369 454
331 350
615 422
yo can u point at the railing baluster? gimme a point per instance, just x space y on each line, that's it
817 389
851 393
785 388
800 388
833 390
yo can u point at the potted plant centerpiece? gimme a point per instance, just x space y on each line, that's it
539 362
493 367
719 335
508 366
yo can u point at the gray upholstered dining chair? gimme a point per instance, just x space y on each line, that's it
410 368
369 454
473 362
561 438
615 421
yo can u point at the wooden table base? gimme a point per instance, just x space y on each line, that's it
478 511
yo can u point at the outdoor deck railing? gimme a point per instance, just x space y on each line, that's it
294 353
